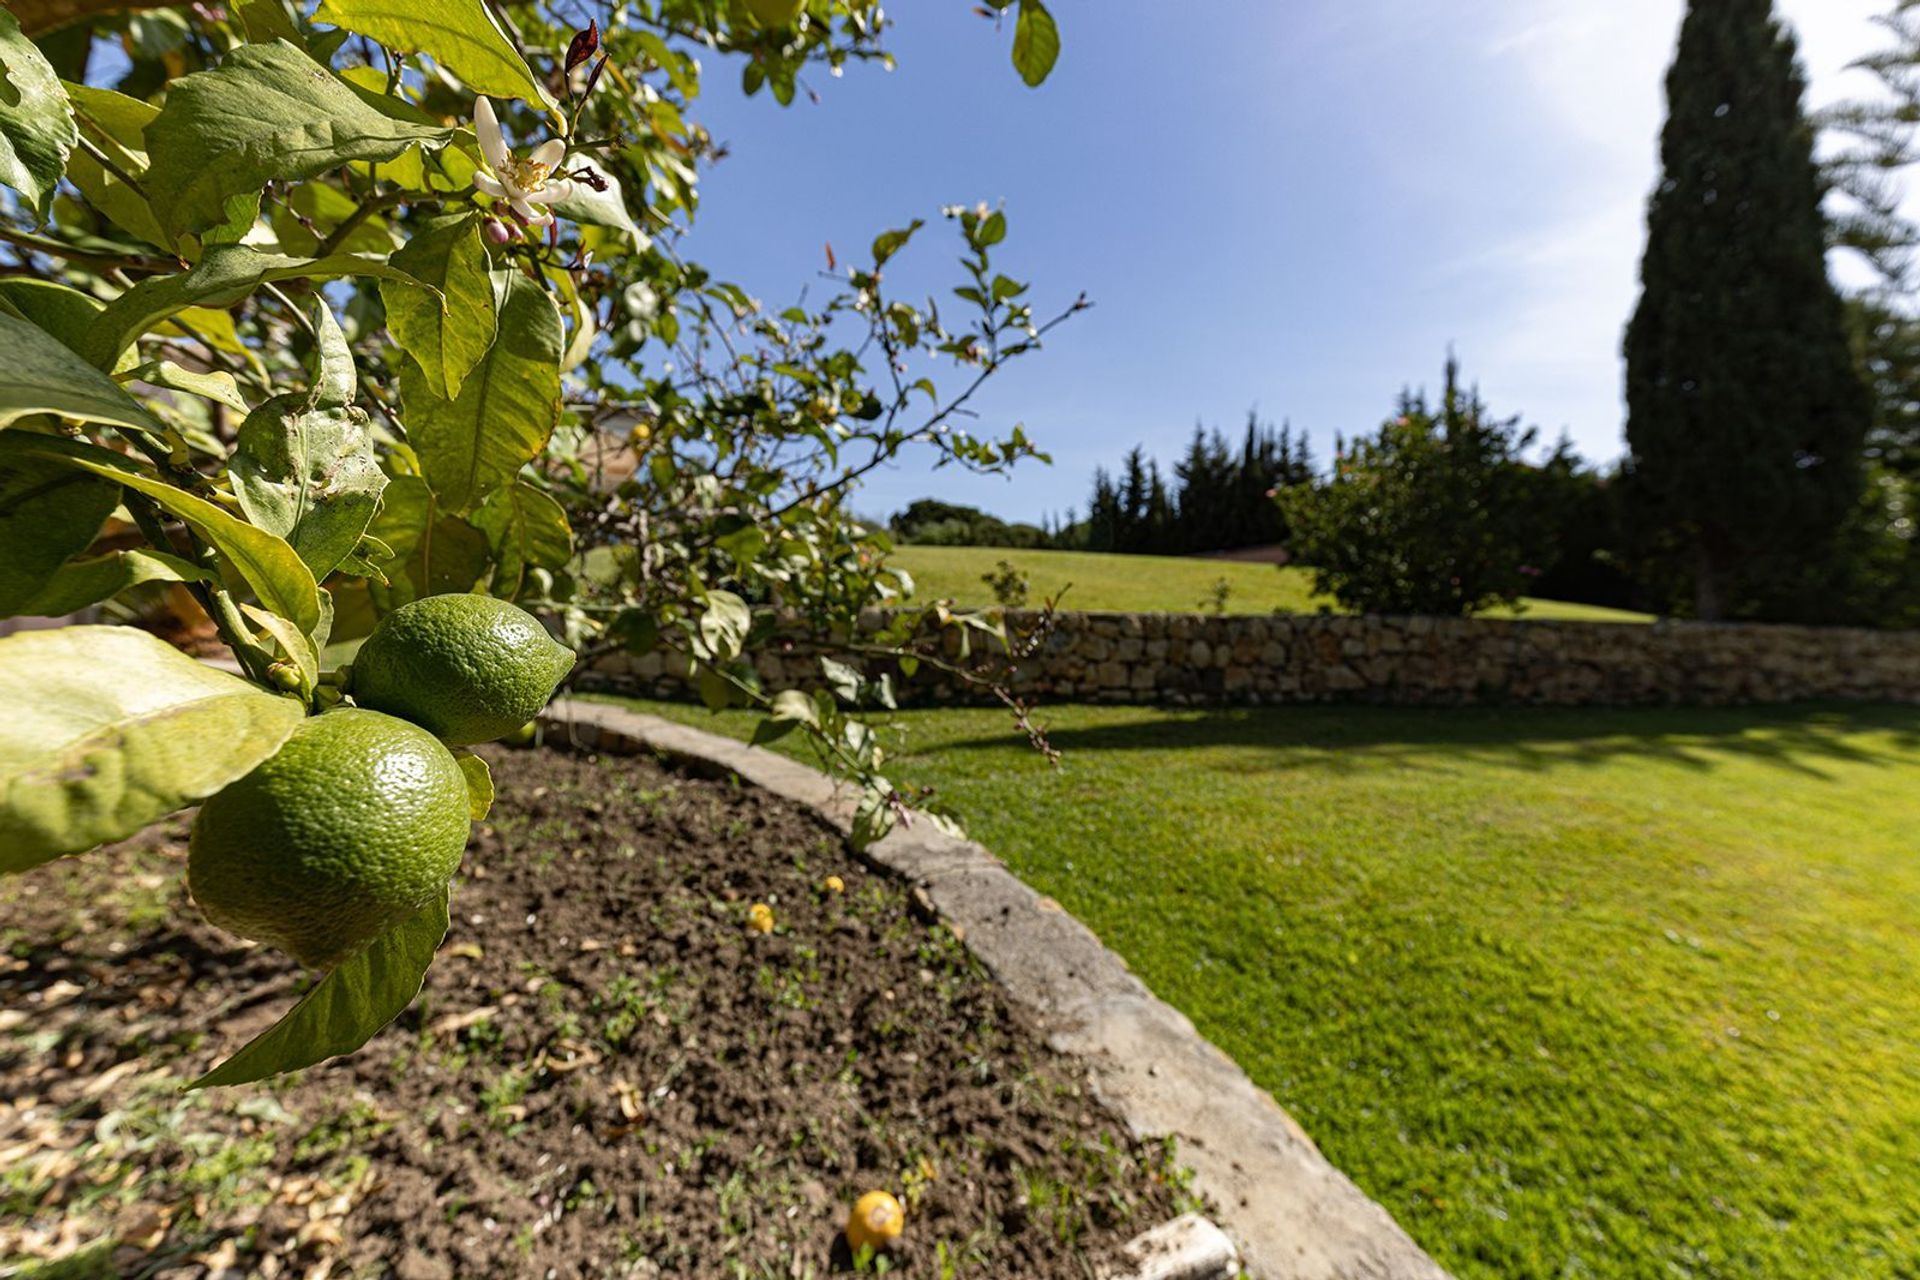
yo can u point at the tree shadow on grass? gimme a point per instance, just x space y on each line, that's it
1799 739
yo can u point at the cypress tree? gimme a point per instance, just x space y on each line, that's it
1745 412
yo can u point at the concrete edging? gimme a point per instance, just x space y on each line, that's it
1294 1216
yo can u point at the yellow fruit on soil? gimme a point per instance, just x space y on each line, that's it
876 1221
466 668
834 884
355 824
760 918
776 15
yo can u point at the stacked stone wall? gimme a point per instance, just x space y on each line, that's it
1199 660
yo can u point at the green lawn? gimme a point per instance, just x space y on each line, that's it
1573 993
1156 584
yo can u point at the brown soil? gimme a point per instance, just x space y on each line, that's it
607 1075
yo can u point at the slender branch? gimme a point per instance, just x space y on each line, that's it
369 207
112 166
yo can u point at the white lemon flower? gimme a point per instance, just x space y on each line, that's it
527 185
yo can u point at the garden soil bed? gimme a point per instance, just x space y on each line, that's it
607 1074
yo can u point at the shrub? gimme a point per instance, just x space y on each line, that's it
1436 514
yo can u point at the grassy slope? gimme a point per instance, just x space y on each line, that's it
1614 994
1154 584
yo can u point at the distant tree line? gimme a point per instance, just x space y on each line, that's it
1220 498
933 523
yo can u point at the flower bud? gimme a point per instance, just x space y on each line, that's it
496 231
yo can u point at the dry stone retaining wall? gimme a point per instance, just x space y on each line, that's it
1206 660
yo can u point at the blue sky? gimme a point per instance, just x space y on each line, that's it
1290 206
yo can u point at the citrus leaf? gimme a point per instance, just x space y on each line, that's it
80 583
63 311
608 208
446 328
268 112
271 567
40 375
36 119
298 648
527 530
346 1008
1036 42
724 626
116 124
224 275
304 466
460 35
49 513
795 706
479 784
889 243
507 407
109 729
218 385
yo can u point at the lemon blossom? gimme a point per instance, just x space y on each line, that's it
527 185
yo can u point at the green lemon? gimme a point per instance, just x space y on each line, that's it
467 668
355 824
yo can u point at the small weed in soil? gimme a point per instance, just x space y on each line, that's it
608 1073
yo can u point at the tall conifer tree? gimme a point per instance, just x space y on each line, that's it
1746 413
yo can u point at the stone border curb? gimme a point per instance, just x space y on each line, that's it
1294 1216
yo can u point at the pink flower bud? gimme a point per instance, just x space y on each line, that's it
496 231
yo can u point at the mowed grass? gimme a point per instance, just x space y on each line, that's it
1156 584
1573 993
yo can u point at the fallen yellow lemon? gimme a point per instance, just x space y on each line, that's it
876 1221
760 918
834 884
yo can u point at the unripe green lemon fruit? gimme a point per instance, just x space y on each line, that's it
355 824
466 668
776 15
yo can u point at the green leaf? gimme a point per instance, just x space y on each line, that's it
527 530
268 112
447 328
600 208
875 816
346 1008
116 124
460 35
724 625
217 386
49 513
224 275
1036 43
892 242
40 375
108 729
299 650
304 465
795 706
406 513
506 410
479 784
271 567
266 20
435 554
36 119
61 310
716 691
78 584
